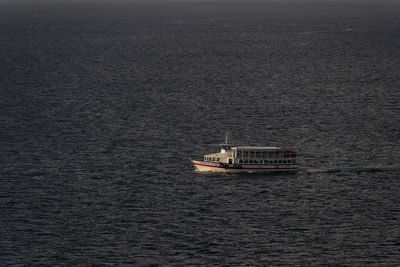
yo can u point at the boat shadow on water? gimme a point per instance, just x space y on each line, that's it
248 175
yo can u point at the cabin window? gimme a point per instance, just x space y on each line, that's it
246 161
280 161
240 161
285 161
217 159
293 161
245 154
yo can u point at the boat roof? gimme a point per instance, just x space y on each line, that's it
257 147
214 155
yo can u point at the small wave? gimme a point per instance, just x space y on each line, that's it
352 169
333 31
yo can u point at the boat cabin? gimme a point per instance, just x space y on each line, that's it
252 155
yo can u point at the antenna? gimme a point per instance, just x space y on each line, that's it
226 138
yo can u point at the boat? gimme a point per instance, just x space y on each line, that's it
248 159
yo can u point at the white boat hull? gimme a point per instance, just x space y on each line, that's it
205 166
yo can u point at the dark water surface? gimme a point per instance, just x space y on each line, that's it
101 105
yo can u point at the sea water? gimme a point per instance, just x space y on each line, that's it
101 105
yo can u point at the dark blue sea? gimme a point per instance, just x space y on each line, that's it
103 104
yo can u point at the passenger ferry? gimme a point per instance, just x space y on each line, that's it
247 159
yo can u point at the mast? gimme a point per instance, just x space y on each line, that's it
226 138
